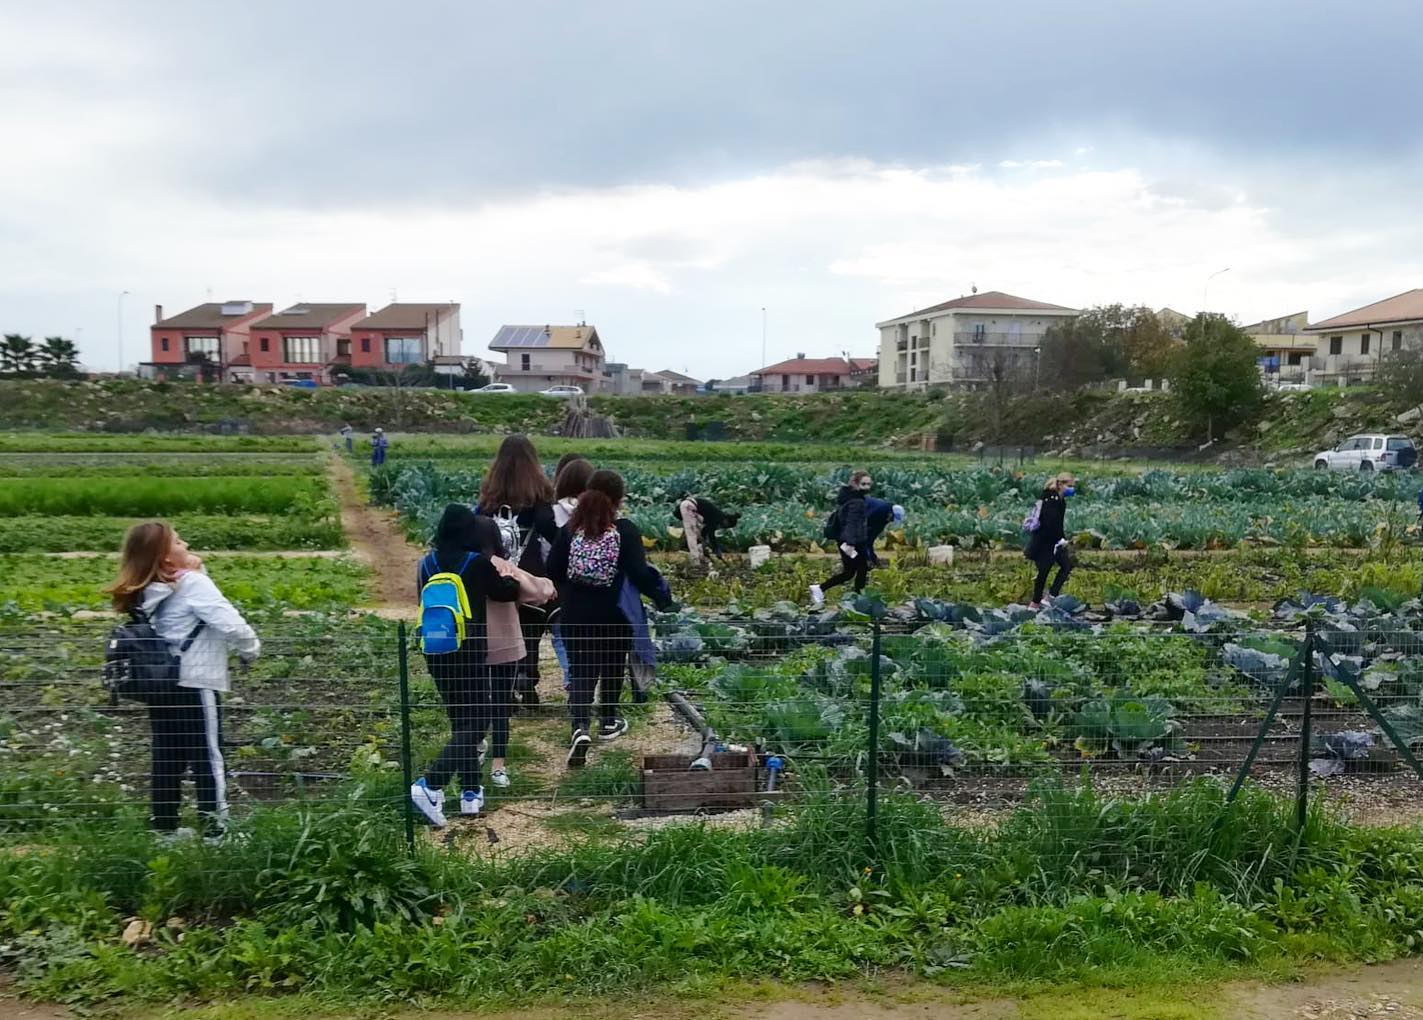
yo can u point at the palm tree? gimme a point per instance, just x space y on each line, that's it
17 355
59 357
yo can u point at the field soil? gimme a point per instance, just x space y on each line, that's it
377 541
1383 990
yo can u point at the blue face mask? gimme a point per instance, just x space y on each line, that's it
1070 490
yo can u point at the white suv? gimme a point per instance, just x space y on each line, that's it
1369 453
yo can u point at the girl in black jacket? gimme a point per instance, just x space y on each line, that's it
516 480
853 535
594 554
475 698
1048 544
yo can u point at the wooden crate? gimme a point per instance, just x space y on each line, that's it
669 785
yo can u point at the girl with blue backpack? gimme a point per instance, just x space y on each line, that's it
455 581
589 563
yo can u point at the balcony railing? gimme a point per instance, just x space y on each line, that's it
986 339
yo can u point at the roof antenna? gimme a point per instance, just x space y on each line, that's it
973 288
393 296
581 316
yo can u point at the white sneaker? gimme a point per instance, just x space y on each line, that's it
578 749
472 802
500 778
177 836
817 597
430 803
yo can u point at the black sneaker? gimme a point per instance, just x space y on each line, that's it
612 730
578 749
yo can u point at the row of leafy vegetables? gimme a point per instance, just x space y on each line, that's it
966 687
783 506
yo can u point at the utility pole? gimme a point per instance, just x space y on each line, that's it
120 330
763 336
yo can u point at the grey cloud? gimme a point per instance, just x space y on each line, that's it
318 103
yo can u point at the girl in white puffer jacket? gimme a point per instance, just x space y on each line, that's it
161 577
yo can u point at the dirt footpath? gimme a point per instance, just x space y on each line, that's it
377 541
1386 990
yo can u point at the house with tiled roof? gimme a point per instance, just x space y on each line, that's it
209 339
538 357
1350 346
407 334
306 343
965 341
811 375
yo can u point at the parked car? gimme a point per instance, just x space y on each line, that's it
1374 452
563 391
496 387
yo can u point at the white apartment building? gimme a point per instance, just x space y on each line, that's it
1350 346
964 342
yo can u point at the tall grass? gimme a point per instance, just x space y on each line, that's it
1074 884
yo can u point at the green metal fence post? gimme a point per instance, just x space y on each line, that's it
1306 732
405 751
872 751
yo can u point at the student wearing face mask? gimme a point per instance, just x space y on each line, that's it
1048 542
852 532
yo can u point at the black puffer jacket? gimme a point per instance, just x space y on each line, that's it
1052 526
853 516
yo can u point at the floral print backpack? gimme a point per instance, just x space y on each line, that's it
594 561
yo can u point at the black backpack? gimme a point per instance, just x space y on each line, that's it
832 526
140 665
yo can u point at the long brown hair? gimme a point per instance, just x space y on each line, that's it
572 478
145 548
516 479
593 516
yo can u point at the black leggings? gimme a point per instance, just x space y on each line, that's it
851 568
477 699
187 733
1064 568
533 622
597 658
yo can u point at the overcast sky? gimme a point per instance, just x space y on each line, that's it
672 168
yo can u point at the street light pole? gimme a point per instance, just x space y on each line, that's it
120 330
1206 289
763 336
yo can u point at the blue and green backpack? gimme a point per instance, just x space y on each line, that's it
444 608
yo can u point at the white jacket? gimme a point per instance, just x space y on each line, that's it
563 510
175 609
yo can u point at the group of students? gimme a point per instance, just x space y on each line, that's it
533 557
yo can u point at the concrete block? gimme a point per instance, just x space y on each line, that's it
759 555
941 555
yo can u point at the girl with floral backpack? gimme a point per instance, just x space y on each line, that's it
589 562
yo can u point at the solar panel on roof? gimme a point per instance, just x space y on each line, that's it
520 336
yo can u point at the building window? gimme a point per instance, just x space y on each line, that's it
1296 358
365 345
202 348
302 350
1336 345
343 348
979 330
1363 343
266 345
1398 339
524 362
403 350
165 344
810 380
